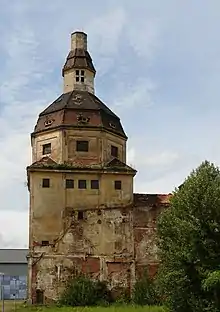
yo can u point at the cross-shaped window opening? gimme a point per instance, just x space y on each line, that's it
80 75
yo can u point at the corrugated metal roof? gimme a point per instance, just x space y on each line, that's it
13 255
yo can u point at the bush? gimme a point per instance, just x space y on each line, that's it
144 292
82 291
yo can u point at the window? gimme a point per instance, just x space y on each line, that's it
45 243
117 185
114 151
95 184
46 183
80 75
80 215
82 184
46 148
82 146
69 183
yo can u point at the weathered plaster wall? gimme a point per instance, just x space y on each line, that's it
63 146
115 245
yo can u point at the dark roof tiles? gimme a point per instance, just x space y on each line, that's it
79 109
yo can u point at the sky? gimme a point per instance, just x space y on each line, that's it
158 68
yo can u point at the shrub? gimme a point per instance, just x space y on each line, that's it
82 291
144 292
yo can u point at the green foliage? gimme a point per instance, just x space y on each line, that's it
144 292
82 291
212 281
189 243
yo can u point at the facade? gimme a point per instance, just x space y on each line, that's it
13 273
84 216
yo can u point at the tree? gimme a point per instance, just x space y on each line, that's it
189 243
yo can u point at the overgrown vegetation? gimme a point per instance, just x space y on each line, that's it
189 244
144 292
83 291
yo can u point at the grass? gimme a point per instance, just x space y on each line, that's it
18 306
96 309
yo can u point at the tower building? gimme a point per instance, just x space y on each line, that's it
84 216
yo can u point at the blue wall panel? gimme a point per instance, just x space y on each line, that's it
14 286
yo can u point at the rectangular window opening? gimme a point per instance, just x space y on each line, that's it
117 185
69 183
95 184
77 72
80 215
77 78
45 243
82 72
46 148
82 184
82 79
114 151
46 183
82 146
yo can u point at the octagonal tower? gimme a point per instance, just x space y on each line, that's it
79 182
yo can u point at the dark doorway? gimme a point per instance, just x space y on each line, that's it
39 296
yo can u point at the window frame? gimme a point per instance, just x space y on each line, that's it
78 144
44 146
118 185
94 184
68 184
45 184
80 75
114 148
82 181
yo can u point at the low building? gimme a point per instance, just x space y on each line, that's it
13 273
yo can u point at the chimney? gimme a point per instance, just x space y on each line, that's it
78 40
78 70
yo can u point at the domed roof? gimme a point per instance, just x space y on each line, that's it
79 109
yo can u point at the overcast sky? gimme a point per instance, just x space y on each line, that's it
158 68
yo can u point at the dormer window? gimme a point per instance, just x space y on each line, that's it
80 75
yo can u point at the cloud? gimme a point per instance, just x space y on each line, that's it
106 38
134 95
157 68
144 38
14 229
